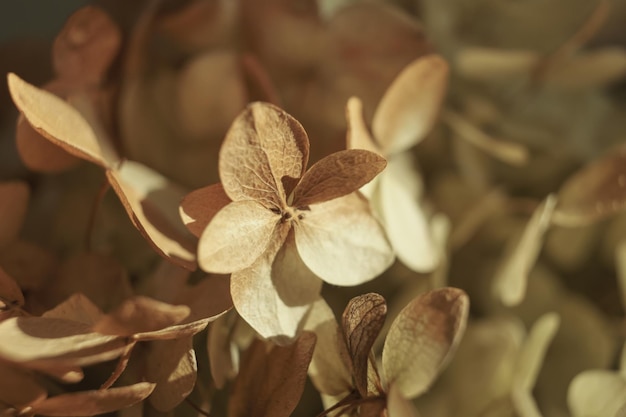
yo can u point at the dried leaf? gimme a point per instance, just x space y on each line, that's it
140 314
353 251
236 237
337 175
14 197
198 208
362 321
271 383
512 276
152 202
86 46
62 123
411 104
89 403
596 393
171 364
422 339
263 145
596 191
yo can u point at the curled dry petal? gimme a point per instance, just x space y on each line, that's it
263 145
140 314
270 384
422 339
151 201
362 321
198 208
88 403
342 243
594 192
62 123
358 135
236 237
86 46
14 196
512 275
410 106
336 175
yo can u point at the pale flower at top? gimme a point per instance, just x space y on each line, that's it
279 229
404 116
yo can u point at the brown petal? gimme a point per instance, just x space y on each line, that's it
14 196
198 208
411 104
62 123
10 293
76 308
18 388
86 46
152 202
362 321
264 144
236 237
171 364
271 383
594 192
140 314
422 339
336 175
88 403
358 135
262 296
341 242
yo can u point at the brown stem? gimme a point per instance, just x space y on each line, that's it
121 366
197 408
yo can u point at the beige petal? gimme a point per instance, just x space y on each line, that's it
140 314
398 405
362 321
489 64
594 192
263 145
327 370
270 299
533 351
512 275
198 208
14 197
35 338
358 135
404 219
18 388
38 153
152 202
62 123
171 364
411 104
86 46
87 403
341 242
506 151
76 308
336 175
423 338
236 237
271 383
597 393
176 331
10 293
589 69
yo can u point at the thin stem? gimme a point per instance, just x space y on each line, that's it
197 408
94 213
121 366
